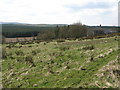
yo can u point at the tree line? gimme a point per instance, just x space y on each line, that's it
64 32
14 31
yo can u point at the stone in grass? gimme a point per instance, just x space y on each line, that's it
35 85
101 56
56 63
66 67
109 52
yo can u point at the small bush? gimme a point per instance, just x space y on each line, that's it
79 49
80 39
20 59
64 48
29 46
61 40
91 58
8 46
88 47
29 59
50 70
37 41
44 43
10 55
20 46
116 72
19 52
35 52
22 43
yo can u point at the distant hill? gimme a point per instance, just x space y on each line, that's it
14 29
11 23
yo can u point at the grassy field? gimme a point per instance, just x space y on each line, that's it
90 63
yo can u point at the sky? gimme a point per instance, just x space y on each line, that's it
88 12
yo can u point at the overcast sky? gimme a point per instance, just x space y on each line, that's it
89 12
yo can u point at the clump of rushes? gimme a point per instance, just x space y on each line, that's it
44 43
30 46
22 43
91 57
29 60
116 72
19 53
88 47
50 69
64 48
20 59
35 52
10 45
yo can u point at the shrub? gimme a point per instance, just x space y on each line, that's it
116 72
20 59
8 46
38 41
29 46
64 48
50 69
88 47
35 52
19 52
80 39
44 43
61 40
20 46
10 55
29 59
91 58
22 43
78 49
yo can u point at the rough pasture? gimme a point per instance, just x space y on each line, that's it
69 63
